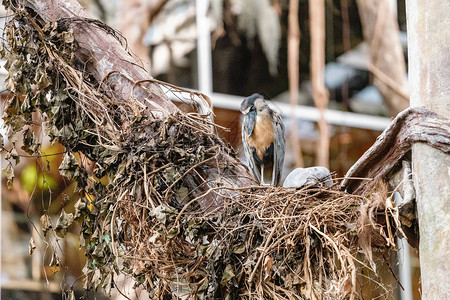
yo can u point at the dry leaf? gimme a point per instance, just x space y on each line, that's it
31 247
268 263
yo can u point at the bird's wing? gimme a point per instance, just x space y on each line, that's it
253 166
279 149
249 122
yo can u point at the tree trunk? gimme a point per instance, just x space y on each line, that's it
429 73
380 30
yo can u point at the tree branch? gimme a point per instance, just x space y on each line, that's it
413 125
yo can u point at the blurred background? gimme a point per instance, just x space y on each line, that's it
334 69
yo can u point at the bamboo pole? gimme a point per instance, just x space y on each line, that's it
293 73
320 93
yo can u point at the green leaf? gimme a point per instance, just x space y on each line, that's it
106 238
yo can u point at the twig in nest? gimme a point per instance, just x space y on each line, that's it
266 244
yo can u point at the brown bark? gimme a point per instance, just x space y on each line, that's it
320 93
293 73
414 125
381 31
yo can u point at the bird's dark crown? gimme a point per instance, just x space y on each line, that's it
250 101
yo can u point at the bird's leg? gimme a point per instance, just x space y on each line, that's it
262 174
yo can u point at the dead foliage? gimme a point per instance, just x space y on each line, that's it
149 207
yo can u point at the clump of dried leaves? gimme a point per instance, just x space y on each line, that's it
145 217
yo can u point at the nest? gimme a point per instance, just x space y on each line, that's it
264 243
163 203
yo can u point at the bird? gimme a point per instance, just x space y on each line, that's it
263 140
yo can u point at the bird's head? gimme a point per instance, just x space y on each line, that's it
253 102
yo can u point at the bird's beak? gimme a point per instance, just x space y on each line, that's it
245 108
246 111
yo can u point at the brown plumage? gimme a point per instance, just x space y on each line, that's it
263 139
263 134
